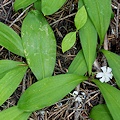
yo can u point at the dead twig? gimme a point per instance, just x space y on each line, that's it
20 15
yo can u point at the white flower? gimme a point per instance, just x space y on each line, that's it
75 93
78 99
83 95
42 112
106 75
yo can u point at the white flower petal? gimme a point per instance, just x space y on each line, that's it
110 75
75 93
78 99
42 112
104 69
102 79
83 93
107 79
99 75
109 69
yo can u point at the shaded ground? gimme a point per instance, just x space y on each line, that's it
62 23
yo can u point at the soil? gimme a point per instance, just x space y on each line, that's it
62 22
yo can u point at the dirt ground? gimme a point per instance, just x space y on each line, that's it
62 22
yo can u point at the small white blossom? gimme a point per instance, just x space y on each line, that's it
78 99
75 93
106 75
42 112
83 95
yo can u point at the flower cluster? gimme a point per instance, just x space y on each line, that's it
78 98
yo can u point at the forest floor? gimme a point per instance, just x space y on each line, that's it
62 22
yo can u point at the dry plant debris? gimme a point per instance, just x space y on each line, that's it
62 22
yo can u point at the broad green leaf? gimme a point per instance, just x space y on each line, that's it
13 113
112 98
51 6
37 5
88 38
18 4
10 82
39 44
100 14
7 65
80 3
23 116
68 41
10 40
10 113
80 18
78 65
100 110
48 91
114 62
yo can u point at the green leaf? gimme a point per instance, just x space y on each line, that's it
7 65
18 4
100 14
114 62
68 41
39 44
88 38
100 110
80 18
23 116
10 113
78 65
51 6
37 5
10 82
80 3
10 40
112 98
13 113
48 91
